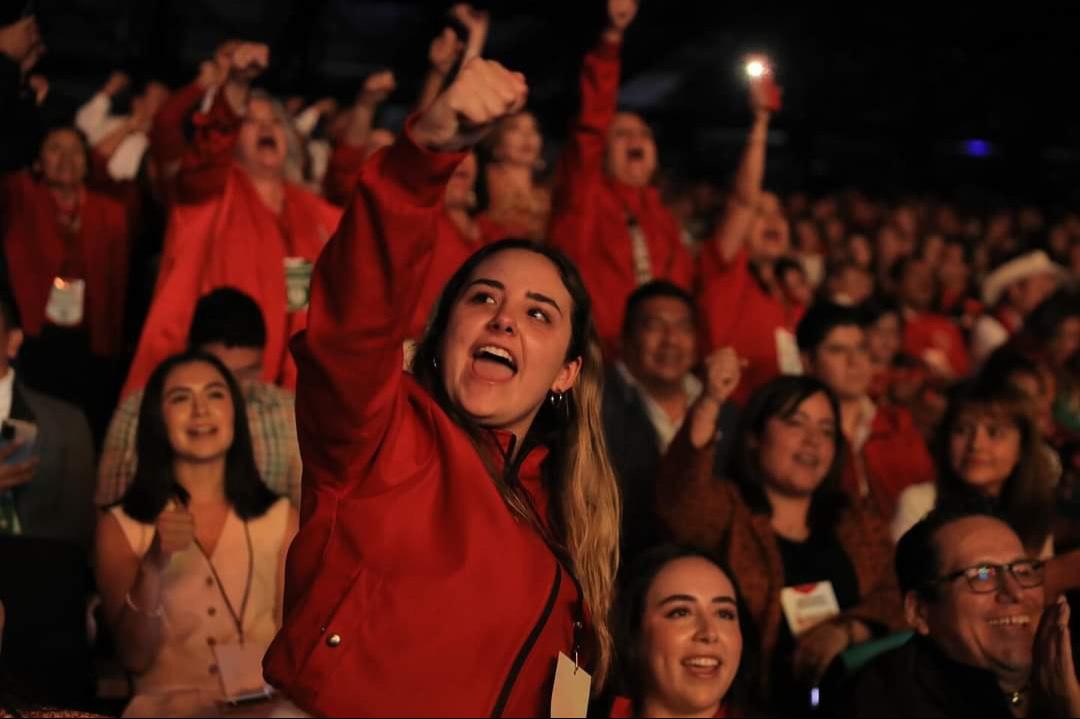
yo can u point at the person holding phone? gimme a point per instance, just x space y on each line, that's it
46 453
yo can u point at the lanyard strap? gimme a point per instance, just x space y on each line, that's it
238 619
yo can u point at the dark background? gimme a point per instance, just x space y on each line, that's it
881 97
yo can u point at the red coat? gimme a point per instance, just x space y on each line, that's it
737 312
895 457
411 588
589 221
35 249
929 332
228 237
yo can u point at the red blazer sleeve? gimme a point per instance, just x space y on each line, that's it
363 297
343 173
205 165
167 140
581 166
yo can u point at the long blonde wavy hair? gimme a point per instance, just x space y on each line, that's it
579 476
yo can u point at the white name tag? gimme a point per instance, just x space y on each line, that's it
240 669
787 352
297 283
67 300
570 695
809 605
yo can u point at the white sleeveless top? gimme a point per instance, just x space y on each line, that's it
184 676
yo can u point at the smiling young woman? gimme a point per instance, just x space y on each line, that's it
460 523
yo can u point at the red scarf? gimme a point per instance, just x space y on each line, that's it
233 241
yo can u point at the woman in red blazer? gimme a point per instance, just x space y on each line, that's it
459 523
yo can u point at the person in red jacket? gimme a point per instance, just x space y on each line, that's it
459 525
239 224
67 250
606 216
743 303
886 454
933 338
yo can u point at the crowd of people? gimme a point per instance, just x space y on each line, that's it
410 425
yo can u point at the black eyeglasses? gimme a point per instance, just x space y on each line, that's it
989 578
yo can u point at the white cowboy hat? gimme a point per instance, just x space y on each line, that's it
1032 264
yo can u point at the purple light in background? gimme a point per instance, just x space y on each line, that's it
977 148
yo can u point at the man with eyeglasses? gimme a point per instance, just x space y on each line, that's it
974 599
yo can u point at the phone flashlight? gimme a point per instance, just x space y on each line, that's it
756 69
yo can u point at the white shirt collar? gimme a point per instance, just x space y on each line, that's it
666 428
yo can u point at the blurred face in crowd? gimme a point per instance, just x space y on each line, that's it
835 232
984 449
518 140
63 159
842 362
1066 342
245 363
770 234
954 271
1028 294
262 145
890 246
808 238
461 190
933 249
11 340
907 221
917 286
199 413
631 151
885 338
851 285
506 342
661 346
155 95
798 448
691 643
860 251
797 286
994 631
1041 388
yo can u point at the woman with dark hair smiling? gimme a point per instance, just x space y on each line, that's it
683 635
784 523
190 564
460 534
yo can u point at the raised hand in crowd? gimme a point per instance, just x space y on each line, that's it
477 23
22 43
116 84
243 62
723 370
377 88
445 51
483 92
1055 684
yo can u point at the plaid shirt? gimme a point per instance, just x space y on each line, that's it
271 415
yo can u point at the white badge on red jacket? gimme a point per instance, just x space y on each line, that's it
67 301
240 669
787 352
570 695
808 605
297 283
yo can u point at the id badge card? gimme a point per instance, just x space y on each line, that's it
787 352
570 695
297 283
808 605
240 670
67 302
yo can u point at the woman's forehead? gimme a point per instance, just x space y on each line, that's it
521 271
691 576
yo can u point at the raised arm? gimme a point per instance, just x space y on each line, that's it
367 282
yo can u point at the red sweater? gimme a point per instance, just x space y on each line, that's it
37 251
895 458
226 236
411 588
589 221
737 312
